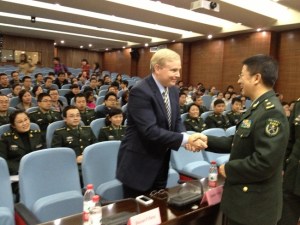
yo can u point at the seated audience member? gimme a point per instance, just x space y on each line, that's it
4 81
199 102
48 81
61 80
19 140
227 98
212 91
94 85
230 89
81 79
182 103
73 135
110 101
114 129
36 90
27 83
74 90
286 109
124 98
118 78
106 80
218 96
57 104
235 114
124 85
217 119
58 66
243 99
193 120
90 99
15 78
25 100
292 104
4 113
44 115
39 79
96 69
87 115
15 90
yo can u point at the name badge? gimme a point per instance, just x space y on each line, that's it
151 217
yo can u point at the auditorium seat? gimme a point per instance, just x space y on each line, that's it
230 131
96 126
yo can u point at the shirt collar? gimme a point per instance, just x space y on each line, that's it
160 87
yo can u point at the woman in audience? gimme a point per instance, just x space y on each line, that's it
124 98
96 69
90 99
16 88
114 129
26 67
193 122
19 140
36 90
85 67
25 100
118 78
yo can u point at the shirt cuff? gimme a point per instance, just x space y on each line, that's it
185 139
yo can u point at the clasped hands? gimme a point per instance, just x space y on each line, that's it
196 142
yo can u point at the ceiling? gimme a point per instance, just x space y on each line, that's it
101 23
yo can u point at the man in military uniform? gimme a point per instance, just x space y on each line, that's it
4 113
291 178
217 119
44 115
252 193
235 114
87 114
73 135
182 103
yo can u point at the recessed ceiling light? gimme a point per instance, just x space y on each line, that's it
123 47
258 29
209 36
106 49
173 41
90 45
81 46
62 41
54 43
146 45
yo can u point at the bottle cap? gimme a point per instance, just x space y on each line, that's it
213 162
96 198
90 186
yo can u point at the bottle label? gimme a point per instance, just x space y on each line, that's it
212 180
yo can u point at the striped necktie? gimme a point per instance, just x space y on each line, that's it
168 106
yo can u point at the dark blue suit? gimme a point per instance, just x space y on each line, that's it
145 151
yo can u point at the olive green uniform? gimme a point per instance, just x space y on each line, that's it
13 146
77 139
183 109
217 121
4 119
291 178
233 117
252 193
192 124
110 133
87 116
44 119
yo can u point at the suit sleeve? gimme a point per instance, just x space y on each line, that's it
267 154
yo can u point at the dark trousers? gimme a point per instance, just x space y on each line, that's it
291 209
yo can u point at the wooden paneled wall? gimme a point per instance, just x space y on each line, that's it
45 47
118 61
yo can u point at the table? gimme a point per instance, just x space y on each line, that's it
203 215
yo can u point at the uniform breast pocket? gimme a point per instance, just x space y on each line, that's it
243 132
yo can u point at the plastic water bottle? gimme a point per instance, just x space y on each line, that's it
88 202
213 175
96 213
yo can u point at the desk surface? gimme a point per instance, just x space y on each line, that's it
203 215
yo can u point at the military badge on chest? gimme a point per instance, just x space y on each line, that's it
14 147
297 120
272 127
69 139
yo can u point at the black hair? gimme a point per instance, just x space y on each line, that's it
41 96
13 115
190 106
79 95
34 89
67 108
22 93
218 101
236 99
110 94
112 112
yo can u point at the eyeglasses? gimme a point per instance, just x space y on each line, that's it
46 101
161 194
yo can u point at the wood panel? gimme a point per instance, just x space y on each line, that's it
117 61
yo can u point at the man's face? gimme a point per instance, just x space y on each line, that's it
39 78
111 101
236 107
219 108
48 83
246 82
27 83
80 103
4 80
72 118
93 84
15 76
45 104
75 91
169 73
182 99
4 103
54 95
61 77
199 101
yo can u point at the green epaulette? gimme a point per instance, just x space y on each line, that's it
35 111
7 134
35 131
62 128
269 105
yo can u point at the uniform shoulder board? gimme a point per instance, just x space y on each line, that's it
269 105
86 126
298 100
229 113
35 111
62 128
35 131
105 127
6 134
211 115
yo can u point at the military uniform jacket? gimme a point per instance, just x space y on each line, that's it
4 119
13 149
183 109
192 124
87 116
77 139
110 133
291 176
44 119
233 117
217 121
252 192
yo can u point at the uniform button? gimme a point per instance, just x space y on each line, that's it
241 135
81 146
232 145
245 189
80 139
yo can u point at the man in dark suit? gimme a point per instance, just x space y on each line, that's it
291 178
154 128
253 186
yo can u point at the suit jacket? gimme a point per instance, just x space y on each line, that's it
253 187
148 140
291 178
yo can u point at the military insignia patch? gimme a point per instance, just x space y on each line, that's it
14 147
246 124
69 139
272 127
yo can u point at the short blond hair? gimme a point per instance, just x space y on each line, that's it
162 56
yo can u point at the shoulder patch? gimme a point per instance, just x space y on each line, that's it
269 105
6 134
272 127
35 111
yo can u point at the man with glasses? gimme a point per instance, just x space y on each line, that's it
44 115
4 113
110 101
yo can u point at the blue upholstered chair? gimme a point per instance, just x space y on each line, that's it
6 196
49 183
14 101
96 126
204 115
189 163
230 131
31 109
183 117
207 99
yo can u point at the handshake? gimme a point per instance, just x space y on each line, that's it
196 142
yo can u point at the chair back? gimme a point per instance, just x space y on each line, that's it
207 99
230 131
64 100
14 101
5 91
99 108
100 100
183 117
96 126
50 131
100 162
11 109
32 109
103 87
204 115
63 92
66 86
6 196
49 183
